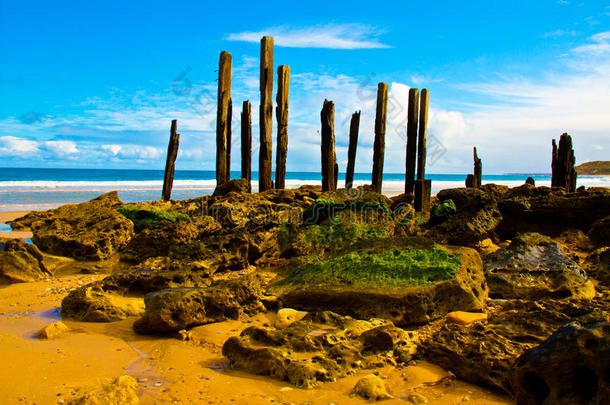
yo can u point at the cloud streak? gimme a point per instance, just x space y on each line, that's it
331 36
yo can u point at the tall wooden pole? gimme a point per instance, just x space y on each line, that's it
283 81
246 141
172 153
379 145
423 134
266 115
229 136
351 151
478 168
327 117
223 124
411 140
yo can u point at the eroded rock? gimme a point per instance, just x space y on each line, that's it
323 346
21 262
534 266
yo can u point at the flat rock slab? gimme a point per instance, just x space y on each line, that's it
466 291
534 266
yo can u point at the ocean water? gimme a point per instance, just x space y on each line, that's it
24 189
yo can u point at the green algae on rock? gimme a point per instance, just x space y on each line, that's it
142 216
398 267
442 212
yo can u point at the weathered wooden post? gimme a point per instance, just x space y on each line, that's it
327 117
281 111
351 151
423 187
223 124
246 142
478 169
229 136
266 115
379 145
411 140
172 153
563 172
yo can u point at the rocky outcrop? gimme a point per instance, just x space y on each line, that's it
534 266
120 295
160 239
485 353
600 232
174 309
93 230
321 347
466 291
21 262
570 367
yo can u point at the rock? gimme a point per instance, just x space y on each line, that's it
322 347
466 291
174 309
288 316
484 353
534 266
93 304
468 227
600 232
442 212
417 399
570 367
576 239
465 318
21 262
371 387
92 230
530 180
162 238
401 200
52 330
116 296
603 271
486 246
551 211
121 391
232 186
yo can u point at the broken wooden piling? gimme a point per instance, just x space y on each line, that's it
379 144
562 165
411 157
266 115
223 124
478 169
327 117
281 111
351 151
246 142
423 187
229 136
172 153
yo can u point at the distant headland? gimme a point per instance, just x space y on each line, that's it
596 168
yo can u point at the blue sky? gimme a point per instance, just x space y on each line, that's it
96 84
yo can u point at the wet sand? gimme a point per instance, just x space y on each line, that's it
168 369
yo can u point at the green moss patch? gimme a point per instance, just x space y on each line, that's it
323 209
398 267
442 212
143 217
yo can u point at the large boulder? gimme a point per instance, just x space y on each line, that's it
21 262
534 266
92 230
171 310
485 353
405 303
321 347
570 367
159 239
120 295
600 232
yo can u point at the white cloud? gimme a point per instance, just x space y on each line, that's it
112 149
61 148
600 45
332 36
139 152
19 147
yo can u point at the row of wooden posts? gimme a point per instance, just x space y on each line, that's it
417 121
